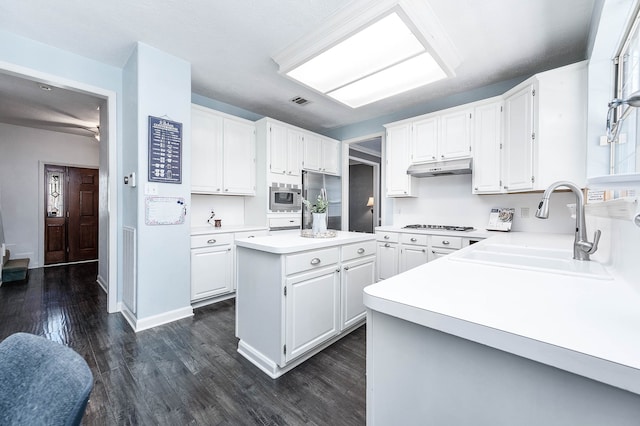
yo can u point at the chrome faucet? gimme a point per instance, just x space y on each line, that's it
582 248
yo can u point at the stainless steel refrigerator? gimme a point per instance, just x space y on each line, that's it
314 184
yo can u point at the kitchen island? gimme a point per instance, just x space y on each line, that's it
461 342
298 295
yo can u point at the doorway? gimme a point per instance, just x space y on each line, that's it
361 199
71 214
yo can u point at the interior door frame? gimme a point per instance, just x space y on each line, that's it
380 206
110 286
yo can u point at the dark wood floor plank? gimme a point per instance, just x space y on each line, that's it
187 372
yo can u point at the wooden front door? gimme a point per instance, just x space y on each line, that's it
71 215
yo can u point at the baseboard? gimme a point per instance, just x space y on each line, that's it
139 324
205 302
102 283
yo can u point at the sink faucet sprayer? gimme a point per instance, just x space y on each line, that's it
582 248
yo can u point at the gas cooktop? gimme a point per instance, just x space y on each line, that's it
441 227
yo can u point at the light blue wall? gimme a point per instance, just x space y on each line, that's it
163 89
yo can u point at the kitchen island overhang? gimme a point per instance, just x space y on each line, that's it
585 327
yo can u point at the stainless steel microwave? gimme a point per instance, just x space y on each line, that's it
283 199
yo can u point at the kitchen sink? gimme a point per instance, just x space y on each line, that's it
548 260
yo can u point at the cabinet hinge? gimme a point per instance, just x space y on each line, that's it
285 290
469 149
501 146
533 136
500 182
533 92
284 349
501 108
533 179
469 115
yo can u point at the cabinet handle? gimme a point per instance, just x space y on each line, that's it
445 242
413 240
360 250
315 261
218 190
433 157
211 241
442 156
346 268
387 245
424 251
226 189
386 237
476 188
251 236
337 270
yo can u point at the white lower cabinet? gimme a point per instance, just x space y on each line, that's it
211 266
400 251
414 251
312 310
356 275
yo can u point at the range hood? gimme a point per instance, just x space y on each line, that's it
460 166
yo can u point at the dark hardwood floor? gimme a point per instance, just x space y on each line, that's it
185 372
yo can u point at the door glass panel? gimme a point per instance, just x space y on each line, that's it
55 195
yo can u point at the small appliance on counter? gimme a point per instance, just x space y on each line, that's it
500 219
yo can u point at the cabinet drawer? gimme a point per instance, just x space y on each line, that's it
446 242
251 234
389 237
209 240
311 260
354 251
420 240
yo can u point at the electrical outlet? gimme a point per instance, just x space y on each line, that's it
524 212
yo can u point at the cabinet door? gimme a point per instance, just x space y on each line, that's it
312 310
206 151
387 259
487 151
356 275
312 152
455 135
518 140
331 156
239 158
211 271
294 152
278 149
437 253
424 146
412 256
398 158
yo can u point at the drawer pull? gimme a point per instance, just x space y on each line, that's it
387 245
211 241
386 237
315 261
424 251
360 250
413 240
445 242
346 268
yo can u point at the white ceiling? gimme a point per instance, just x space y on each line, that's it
230 45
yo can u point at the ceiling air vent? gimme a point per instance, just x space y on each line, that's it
300 100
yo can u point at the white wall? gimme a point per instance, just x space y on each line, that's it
230 209
21 150
447 200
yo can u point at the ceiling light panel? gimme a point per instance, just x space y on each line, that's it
380 45
407 75
368 51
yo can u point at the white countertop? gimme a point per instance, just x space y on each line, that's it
203 230
291 242
590 327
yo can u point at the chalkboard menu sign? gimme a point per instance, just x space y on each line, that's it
165 150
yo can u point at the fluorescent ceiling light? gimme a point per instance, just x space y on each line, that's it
367 53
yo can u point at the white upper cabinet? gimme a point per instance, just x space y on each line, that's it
455 134
487 149
425 140
545 130
285 145
321 154
222 153
519 136
442 136
399 183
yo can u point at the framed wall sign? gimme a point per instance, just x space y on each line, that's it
165 150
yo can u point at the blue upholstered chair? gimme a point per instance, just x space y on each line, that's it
42 382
